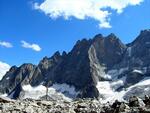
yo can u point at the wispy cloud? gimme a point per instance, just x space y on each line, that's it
82 9
6 44
34 47
4 67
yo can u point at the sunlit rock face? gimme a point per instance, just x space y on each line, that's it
102 67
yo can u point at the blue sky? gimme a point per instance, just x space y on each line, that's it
26 21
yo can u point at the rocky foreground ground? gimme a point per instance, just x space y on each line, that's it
135 105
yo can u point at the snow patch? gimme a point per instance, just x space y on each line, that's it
117 84
108 91
3 95
57 90
115 72
129 51
65 88
137 71
107 76
7 78
145 81
139 89
6 98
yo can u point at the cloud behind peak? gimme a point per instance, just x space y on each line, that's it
4 67
83 9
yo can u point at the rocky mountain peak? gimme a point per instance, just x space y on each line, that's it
145 35
143 38
111 39
44 63
112 36
56 54
13 68
45 59
108 47
145 31
81 47
97 37
90 62
64 54
139 49
81 43
28 66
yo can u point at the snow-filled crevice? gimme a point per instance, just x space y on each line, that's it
129 51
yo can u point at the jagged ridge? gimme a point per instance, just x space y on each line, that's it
90 61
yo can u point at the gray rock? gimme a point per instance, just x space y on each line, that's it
134 102
84 66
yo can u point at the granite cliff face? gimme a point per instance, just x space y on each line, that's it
89 65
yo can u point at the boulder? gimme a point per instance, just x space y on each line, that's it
134 102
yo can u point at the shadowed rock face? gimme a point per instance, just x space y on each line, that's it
141 48
138 52
15 76
133 77
45 69
109 50
85 65
75 69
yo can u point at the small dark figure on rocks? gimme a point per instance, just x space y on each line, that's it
133 101
146 100
116 106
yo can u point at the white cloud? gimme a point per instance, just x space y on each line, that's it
34 47
6 44
82 9
4 67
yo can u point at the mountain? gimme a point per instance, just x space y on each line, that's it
102 67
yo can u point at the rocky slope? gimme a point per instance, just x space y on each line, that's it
102 67
134 105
